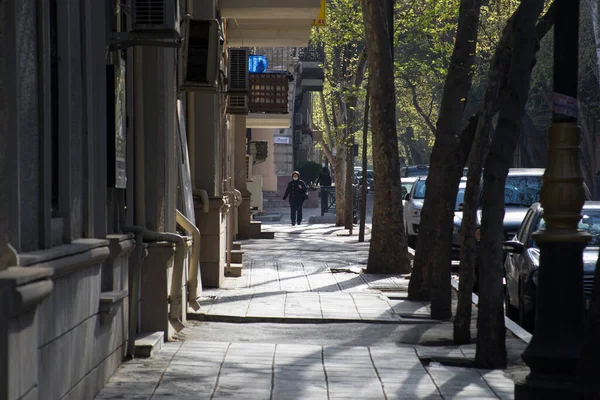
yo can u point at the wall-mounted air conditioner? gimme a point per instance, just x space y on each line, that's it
155 15
237 104
201 50
238 80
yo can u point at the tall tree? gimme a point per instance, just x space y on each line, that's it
344 64
496 89
363 189
388 252
491 345
434 252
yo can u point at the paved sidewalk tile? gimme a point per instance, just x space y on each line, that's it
215 370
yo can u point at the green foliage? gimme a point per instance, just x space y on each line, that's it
309 171
424 35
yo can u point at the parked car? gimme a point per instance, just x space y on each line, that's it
412 210
370 178
521 190
523 258
415 170
407 184
413 203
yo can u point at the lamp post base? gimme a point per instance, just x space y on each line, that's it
544 388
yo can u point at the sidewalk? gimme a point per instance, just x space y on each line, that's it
289 283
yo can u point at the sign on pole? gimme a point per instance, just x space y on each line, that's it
320 21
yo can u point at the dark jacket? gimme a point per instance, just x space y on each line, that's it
296 194
324 179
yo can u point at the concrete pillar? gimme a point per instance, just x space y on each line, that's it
160 133
243 212
157 170
207 174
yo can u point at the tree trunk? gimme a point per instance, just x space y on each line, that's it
388 252
349 198
495 90
363 197
491 333
340 180
340 166
498 71
434 251
418 288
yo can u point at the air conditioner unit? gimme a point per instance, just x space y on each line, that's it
237 104
201 50
155 15
238 80
249 164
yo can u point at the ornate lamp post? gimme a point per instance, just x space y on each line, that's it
555 348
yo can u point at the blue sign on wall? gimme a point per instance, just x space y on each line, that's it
257 64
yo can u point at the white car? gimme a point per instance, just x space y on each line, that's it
407 184
412 209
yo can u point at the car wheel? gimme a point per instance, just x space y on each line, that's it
512 312
526 318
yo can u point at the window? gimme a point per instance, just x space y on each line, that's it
589 223
419 190
522 190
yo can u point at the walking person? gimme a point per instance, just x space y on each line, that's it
297 192
324 178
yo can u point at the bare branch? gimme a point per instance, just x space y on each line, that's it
326 119
415 101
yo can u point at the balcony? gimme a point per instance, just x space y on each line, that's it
269 23
270 9
269 93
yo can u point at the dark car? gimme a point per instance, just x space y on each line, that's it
523 257
414 170
521 190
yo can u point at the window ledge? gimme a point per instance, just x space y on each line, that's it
65 259
110 302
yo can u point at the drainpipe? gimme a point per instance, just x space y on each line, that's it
193 277
175 298
203 194
142 234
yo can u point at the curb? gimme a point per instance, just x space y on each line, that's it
300 320
508 323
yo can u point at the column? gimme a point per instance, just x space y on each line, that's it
244 216
554 351
206 164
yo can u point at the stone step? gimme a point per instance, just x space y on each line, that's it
255 229
236 246
267 235
237 256
147 344
235 270
268 217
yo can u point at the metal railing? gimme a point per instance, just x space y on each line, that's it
328 201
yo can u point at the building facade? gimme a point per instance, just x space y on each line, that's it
124 172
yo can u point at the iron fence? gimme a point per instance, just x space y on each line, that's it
328 201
